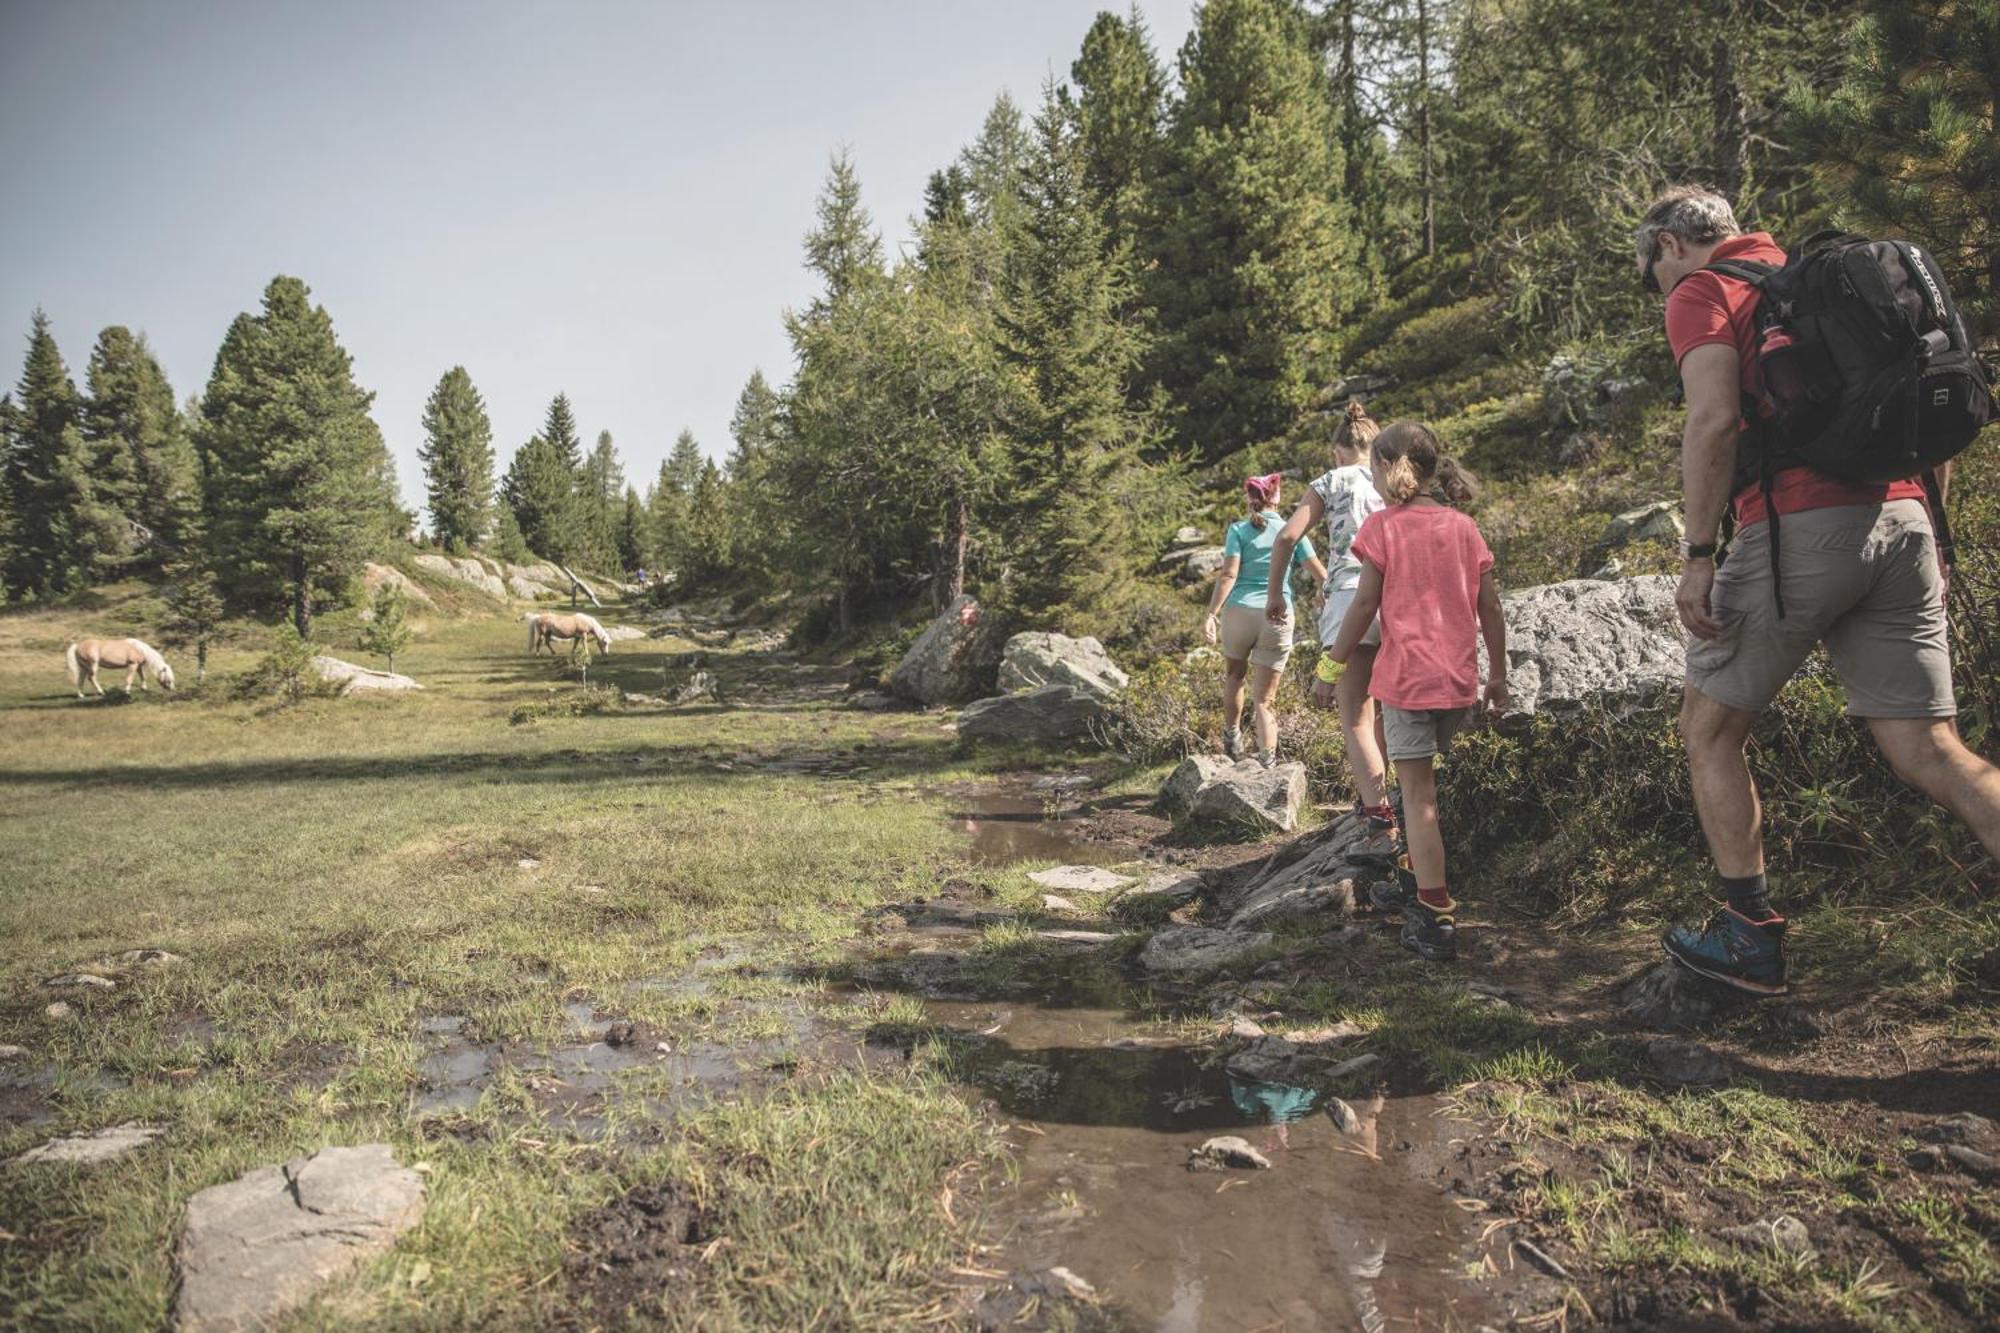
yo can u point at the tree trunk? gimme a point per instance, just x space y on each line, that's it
200 661
301 598
958 537
1424 127
846 611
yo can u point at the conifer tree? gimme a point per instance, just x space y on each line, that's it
632 536
298 487
59 527
194 607
705 543
1121 99
684 463
559 431
140 437
843 248
1908 143
457 453
508 543
387 631
761 517
600 491
666 517
1250 233
540 491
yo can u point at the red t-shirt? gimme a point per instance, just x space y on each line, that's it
1431 557
1710 308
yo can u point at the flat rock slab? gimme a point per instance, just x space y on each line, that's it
99 1145
1079 879
1199 951
81 981
1045 715
354 679
623 633
1092 937
262 1244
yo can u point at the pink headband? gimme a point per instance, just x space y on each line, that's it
1263 489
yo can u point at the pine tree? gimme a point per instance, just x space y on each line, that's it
633 539
387 631
540 491
1121 100
599 491
59 527
1251 235
194 608
684 464
1908 143
508 543
298 487
666 518
457 453
1062 327
559 430
705 544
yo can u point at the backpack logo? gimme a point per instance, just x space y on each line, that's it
1940 397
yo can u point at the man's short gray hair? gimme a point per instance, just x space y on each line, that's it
1694 213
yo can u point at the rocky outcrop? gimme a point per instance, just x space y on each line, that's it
540 581
1336 864
354 679
624 633
1211 789
374 577
1580 642
951 661
262 1244
1195 952
1193 566
1050 715
467 570
1035 659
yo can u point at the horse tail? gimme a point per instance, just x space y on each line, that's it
75 668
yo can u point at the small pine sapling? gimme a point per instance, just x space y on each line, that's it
194 612
388 629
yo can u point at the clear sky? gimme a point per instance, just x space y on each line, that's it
601 197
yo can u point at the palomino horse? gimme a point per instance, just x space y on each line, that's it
86 655
545 627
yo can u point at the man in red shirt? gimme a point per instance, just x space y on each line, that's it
1860 574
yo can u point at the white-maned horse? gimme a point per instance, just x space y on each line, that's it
86 655
545 627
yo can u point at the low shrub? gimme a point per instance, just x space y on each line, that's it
285 673
584 701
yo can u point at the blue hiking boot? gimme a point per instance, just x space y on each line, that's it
1733 949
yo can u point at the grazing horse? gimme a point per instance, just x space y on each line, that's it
86 655
545 627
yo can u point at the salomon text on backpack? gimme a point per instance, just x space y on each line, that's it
1868 372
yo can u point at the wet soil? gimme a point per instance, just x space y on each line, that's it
633 1253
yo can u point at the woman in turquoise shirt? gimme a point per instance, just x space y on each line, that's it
1237 622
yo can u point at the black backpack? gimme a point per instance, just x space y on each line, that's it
1868 372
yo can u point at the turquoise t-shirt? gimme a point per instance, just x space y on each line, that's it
1253 548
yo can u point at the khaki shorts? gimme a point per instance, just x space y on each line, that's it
1863 580
1245 633
1421 733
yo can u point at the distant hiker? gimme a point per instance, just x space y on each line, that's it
1426 569
1345 496
85 656
1236 615
1816 461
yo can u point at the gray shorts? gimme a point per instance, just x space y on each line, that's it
1863 580
1421 733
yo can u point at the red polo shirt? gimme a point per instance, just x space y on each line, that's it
1708 308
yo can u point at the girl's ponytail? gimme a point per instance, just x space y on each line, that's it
1401 483
1413 460
1357 430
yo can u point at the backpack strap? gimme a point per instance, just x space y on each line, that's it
1743 270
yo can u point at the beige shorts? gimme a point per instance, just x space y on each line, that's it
1421 733
1245 633
1863 580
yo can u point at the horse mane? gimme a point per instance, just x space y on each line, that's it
151 654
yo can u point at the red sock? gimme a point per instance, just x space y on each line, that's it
1437 899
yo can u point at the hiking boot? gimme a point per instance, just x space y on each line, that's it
1232 745
1430 934
1733 949
1397 893
1268 758
1379 844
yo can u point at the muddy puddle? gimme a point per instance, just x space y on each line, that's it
1344 1231
1006 828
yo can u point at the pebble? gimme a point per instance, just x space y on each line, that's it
11 1052
58 1010
1978 1165
1055 902
1227 1150
1343 1116
149 957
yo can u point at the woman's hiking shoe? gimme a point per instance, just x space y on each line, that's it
1232 745
1430 934
1397 893
1733 949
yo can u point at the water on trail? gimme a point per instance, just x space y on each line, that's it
1006 828
1344 1231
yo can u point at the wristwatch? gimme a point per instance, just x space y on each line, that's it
1697 550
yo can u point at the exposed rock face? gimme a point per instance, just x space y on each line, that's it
360 680
1582 641
1209 788
97 1146
1194 566
623 633
260 1245
951 660
1184 537
1322 882
1194 952
1033 660
374 576
464 570
528 590
1050 714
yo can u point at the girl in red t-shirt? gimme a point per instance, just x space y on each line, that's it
1428 571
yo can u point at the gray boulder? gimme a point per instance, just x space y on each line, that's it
950 661
1322 881
1579 642
1193 566
1658 521
354 679
466 570
1035 659
374 576
1211 789
262 1244
1194 952
1189 536
1051 714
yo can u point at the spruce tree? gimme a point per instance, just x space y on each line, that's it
59 527
559 431
508 544
705 543
1250 234
633 539
684 464
1121 99
760 512
194 607
457 453
298 487
666 518
540 490
1908 142
599 493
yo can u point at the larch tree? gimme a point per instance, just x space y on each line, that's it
298 487
457 453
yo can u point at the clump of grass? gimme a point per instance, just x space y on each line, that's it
584 701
